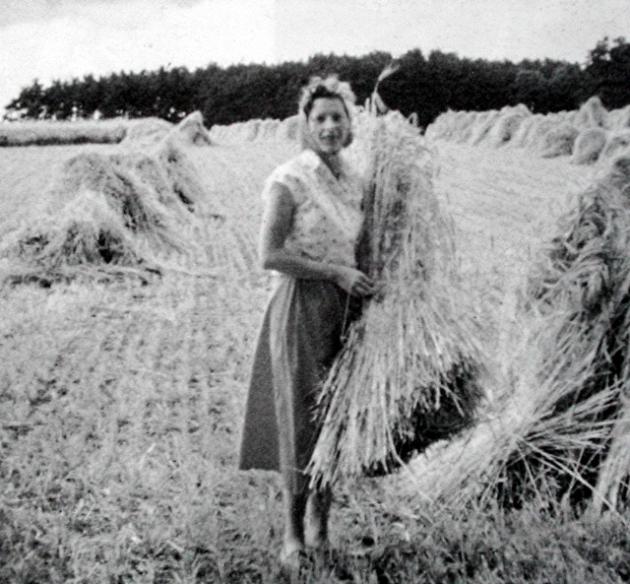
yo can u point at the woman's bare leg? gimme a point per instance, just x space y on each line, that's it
318 510
293 542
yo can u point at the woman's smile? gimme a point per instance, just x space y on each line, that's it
329 125
329 140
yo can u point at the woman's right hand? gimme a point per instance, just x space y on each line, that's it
354 282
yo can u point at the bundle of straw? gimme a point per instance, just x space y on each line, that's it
146 132
587 275
192 131
182 175
133 200
562 426
123 209
405 376
86 237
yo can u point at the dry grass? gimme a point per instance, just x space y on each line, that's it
183 177
128 396
122 404
557 427
132 201
192 131
24 190
121 211
581 134
45 133
507 126
589 145
85 238
147 132
617 143
619 119
522 134
406 374
559 141
484 122
592 114
256 129
144 132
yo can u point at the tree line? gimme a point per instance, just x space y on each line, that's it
426 85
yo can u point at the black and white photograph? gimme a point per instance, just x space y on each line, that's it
314 291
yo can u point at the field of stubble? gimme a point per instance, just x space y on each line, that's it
121 404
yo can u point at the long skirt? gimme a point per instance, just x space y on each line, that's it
301 334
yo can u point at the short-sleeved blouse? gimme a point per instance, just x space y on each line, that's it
328 217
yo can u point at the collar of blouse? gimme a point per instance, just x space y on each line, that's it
317 163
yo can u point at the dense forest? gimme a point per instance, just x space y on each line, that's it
421 84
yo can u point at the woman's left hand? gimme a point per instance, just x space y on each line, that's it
353 281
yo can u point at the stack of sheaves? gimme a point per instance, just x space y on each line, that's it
583 439
562 427
407 375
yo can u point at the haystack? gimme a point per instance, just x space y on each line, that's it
133 201
592 114
466 127
482 126
181 174
288 129
440 127
264 127
219 133
559 141
538 131
617 143
521 135
563 429
505 128
619 119
250 130
447 125
149 171
587 275
192 131
413 119
216 133
268 129
406 375
570 116
146 132
86 238
589 145
457 125
124 201
519 108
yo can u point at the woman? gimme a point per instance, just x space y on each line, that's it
310 226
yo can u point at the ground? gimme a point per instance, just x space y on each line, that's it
121 403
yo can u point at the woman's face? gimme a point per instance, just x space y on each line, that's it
328 125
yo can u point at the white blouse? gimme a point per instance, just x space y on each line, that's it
328 217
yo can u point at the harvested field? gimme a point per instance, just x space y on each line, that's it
121 403
127 209
44 133
588 135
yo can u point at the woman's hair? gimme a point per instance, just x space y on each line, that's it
330 87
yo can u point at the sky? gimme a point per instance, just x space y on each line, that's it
61 39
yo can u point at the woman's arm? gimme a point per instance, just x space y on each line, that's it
276 226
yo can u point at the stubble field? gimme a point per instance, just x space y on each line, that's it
121 403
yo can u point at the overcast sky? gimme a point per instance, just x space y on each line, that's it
48 39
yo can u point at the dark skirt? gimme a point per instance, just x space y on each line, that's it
301 334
